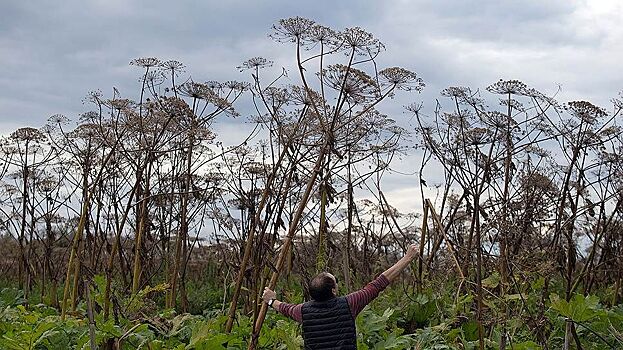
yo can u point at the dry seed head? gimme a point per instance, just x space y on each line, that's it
477 136
28 134
145 62
585 111
306 97
513 103
152 78
355 84
121 104
93 97
172 66
505 87
85 131
255 63
618 102
456 91
321 34
402 79
360 41
292 29
276 96
235 85
195 90
58 119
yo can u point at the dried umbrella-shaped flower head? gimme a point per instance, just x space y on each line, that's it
402 79
28 134
275 96
415 107
145 62
547 100
172 67
255 63
85 131
58 119
214 85
505 87
354 83
293 29
323 35
499 120
47 184
585 111
152 78
121 104
536 150
512 103
477 136
177 107
89 117
463 95
203 92
360 42
195 90
94 96
305 97
455 91
234 86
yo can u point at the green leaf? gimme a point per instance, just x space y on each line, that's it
578 309
492 281
470 330
512 297
527 345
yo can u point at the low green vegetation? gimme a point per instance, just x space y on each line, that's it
437 318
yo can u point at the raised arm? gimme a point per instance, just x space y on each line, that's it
359 299
292 311
401 264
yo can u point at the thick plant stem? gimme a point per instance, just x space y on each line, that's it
440 227
349 229
138 240
72 255
481 335
116 248
420 262
321 259
183 231
285 249
249 244
87 293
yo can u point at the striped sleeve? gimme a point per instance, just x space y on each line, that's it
359 299
292 311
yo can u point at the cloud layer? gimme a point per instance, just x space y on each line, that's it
52 55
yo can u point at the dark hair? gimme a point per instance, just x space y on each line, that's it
320 288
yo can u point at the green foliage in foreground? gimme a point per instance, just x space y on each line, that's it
394 321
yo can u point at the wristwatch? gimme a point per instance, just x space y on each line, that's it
270 302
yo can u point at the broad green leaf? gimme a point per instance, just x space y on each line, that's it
492 281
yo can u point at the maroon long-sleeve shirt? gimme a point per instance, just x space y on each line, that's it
356 300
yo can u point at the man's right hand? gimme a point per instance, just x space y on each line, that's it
394 271
412 252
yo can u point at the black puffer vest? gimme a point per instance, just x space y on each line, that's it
328 325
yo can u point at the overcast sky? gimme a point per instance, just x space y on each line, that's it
52 55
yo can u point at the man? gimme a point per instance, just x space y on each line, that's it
328 320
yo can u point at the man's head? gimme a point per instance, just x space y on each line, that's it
323 287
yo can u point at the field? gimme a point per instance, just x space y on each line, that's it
138 227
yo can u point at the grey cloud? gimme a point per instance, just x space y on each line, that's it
54 54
